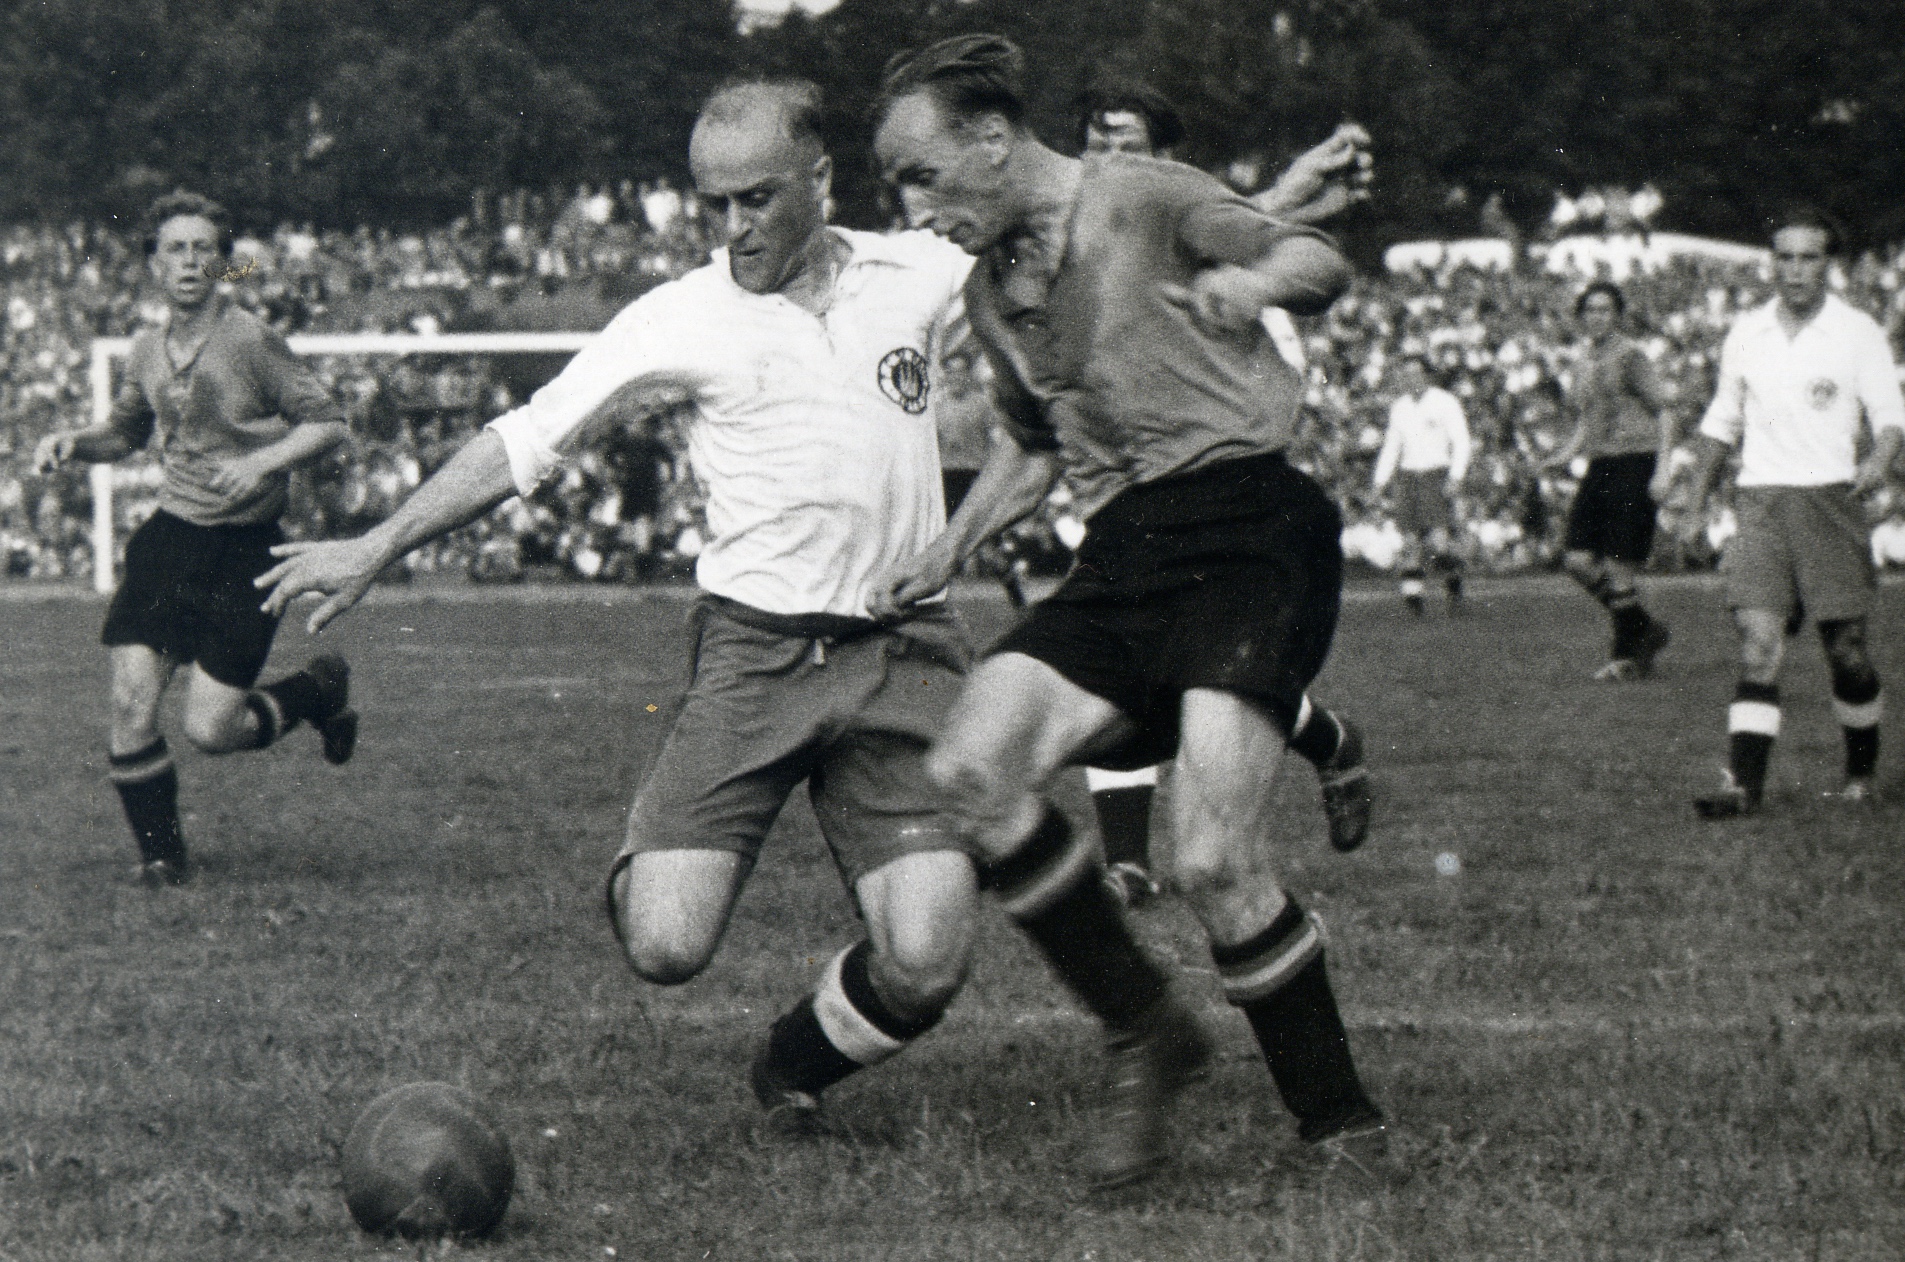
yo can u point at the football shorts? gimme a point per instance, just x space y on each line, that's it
187 593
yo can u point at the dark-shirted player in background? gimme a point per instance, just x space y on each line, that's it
1133 117
1118 300
1625 428
1798 376
230 411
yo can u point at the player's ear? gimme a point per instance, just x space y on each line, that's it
995 136
822 175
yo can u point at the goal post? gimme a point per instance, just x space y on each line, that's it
108 351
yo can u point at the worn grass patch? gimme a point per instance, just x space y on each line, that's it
1618 1033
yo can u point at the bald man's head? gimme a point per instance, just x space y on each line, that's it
759 164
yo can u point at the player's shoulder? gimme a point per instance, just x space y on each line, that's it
1136 175
911 255
1853 318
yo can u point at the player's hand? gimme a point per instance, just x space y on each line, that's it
341 570
1327 180
1869 477
1225 301
52 451
237 478
902 585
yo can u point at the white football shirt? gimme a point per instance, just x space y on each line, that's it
814 440
1794 404
1429 433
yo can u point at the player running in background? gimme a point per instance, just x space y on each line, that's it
1797 377
1322 183
1626 430
1426 450
1118 300
805 348
230 412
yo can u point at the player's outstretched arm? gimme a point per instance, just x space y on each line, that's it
1303 275
1011 484
1324 181
100 444
475 480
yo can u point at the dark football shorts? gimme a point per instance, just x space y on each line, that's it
1227 578
851 712
1422 501
957 484
1800 547
187 593
1613 516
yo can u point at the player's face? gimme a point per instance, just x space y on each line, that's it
1598 315
1800 262
184 248
1118 131
949 178
1413 380
769 191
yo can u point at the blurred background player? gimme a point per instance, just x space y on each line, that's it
962 408
1119 304
1132 117
1798 376
230 411
1625 428
1425 449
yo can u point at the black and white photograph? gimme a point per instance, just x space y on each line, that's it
952 630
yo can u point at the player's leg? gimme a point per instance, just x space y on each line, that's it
1448 561
1413 574
1122 800
1858 702
1752 720
881 993
1268 951
141 764
1015 725
222 718
1334 746
670 908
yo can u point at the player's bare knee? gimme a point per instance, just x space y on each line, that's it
919 979
662 961
214 731
1206 874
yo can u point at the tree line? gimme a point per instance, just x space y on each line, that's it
397 111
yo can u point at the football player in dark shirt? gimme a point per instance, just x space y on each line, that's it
230 412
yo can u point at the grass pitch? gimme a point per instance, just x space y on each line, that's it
1616 1033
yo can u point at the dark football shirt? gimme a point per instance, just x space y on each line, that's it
1103 368
1619 399
243 390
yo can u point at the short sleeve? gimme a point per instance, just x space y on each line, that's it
288 386
132 416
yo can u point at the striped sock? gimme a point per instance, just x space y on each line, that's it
149 791
841 1028
1752 724
1317 734
1277 979
1858 702
1053 887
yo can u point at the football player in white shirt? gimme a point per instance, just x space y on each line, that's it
1427 442
806 350
1798 377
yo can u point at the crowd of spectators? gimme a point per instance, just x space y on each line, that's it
1502 339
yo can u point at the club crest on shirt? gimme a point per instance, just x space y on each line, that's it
1822 392
904 380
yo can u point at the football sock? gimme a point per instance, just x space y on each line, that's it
1277 979
1411 584
1317 734
1858 703
149 790
1123 803
283 705
1629 617
841 1028
1053 887
1752 724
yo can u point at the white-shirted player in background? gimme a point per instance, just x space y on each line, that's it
806 350
1426 451
1798 377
